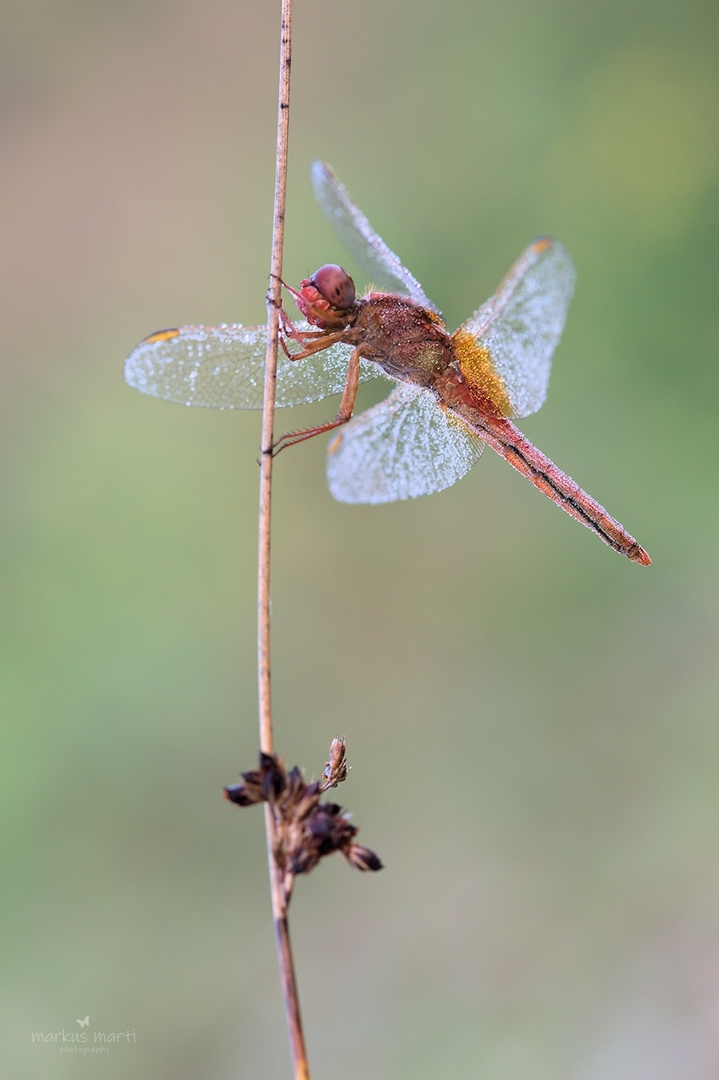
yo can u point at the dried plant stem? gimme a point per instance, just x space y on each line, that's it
274 299
292 1001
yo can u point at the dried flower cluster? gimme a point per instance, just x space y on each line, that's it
305 829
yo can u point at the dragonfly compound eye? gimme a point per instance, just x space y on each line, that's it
335 285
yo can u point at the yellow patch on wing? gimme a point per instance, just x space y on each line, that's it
477 367
161 335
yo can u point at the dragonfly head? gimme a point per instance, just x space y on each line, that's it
327 298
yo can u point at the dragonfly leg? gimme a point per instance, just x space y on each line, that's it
313 340
344 413
289 330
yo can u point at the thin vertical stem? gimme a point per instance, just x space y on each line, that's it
274 300
280 898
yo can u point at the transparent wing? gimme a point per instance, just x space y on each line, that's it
222 367
404 447
523 322
357 236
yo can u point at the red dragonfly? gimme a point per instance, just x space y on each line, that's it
454 394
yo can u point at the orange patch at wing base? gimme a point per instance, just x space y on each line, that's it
161 335
475 363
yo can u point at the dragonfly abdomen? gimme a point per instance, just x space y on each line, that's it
508 441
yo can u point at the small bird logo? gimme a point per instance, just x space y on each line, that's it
85 1022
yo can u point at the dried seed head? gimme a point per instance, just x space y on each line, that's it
274 777
308 802
306 829
243 794
362 858
336 769
265 784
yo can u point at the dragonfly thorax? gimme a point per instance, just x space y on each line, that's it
409 342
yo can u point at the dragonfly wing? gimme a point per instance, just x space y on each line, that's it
523 322
357 236
404 447
222 367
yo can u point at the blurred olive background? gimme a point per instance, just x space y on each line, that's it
531 719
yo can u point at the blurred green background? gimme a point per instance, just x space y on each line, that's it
531 719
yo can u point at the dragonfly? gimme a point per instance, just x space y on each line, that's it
455 392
